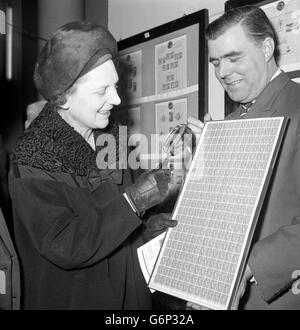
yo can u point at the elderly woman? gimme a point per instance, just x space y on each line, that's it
77 227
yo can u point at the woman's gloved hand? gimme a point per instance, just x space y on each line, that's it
156 225
150 189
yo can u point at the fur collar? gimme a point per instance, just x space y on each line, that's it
51 144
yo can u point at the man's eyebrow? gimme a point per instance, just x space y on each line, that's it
231 54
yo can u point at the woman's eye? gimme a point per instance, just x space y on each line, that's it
101 91
234 59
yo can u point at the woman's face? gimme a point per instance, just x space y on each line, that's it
93 97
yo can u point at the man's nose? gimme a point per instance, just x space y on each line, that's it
224 69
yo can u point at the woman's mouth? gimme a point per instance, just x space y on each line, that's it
104 112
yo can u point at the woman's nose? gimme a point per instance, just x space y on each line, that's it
114 96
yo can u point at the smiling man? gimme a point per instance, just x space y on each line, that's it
243 62
241 46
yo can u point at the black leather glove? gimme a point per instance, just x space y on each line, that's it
157 224
150 189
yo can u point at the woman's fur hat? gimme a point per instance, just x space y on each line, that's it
72 51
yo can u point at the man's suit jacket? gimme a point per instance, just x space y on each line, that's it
275 255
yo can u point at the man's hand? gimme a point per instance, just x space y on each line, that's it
156 225
193 306
150 189
196 125
242 287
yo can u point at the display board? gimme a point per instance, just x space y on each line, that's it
203 257
163 76
285 18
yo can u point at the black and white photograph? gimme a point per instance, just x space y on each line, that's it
149 158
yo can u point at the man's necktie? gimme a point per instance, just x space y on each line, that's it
245 107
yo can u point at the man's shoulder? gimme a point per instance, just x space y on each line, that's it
288 101
288 86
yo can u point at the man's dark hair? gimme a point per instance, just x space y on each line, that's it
252 18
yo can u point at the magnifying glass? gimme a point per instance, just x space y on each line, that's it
177 148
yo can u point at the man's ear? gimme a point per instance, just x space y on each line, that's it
268 47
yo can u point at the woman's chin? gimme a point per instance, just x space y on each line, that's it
102 124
